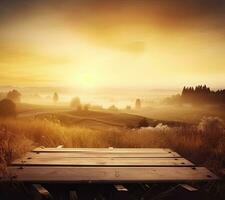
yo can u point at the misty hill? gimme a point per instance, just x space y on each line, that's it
117 119
90 118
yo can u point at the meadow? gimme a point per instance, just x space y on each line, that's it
202 143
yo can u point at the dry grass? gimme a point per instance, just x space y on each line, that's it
204 144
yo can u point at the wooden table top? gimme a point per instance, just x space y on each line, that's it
76 165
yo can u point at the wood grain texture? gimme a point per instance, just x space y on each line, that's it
71 161
110 174
111 165
100 155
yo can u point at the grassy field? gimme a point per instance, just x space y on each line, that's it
184 113
203 143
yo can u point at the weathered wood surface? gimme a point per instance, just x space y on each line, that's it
75 165
71 161
100 155
106 150
110 174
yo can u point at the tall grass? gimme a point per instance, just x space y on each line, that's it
203 144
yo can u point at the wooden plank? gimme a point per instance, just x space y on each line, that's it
121 188
64 161
73 195
107 150
110 174
101 154
44 193
188 187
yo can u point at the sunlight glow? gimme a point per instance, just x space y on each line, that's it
48 51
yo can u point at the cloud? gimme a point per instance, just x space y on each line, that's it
161 12
16 56
135 47
152 40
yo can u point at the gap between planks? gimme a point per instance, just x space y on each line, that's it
107 150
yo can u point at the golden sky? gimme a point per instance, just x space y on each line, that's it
94 44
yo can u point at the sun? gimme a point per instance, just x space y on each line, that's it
86 80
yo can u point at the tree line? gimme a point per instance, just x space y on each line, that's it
202 94
199 94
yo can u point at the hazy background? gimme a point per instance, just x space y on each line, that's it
111 73
120 97
113 53
112 44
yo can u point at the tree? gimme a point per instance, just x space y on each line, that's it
2 95
86 107
138 104
7 108
76 103
128 108
55 97
143 123
113 108
201 94
14 95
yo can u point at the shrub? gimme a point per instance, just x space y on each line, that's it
7 108
212 129
14 95
76 103
143 123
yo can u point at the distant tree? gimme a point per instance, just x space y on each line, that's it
2 95
7 108
86 107
76 103
113 108
14 95
128 108
55 97
138 104
202 94
143 123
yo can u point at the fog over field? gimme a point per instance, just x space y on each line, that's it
134 73
121 97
